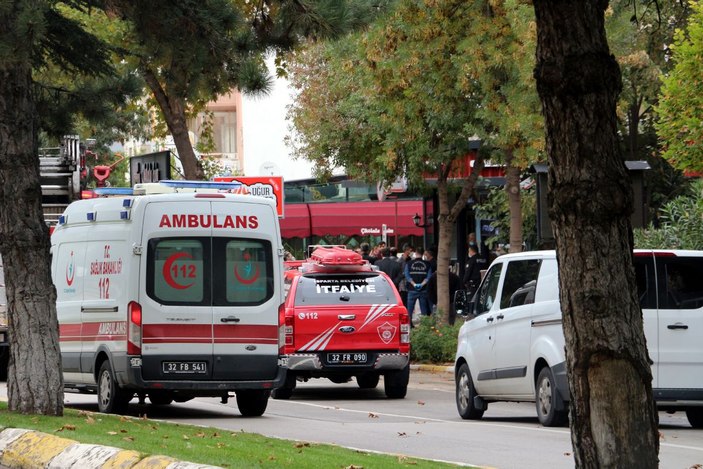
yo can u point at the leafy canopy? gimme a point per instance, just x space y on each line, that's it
680 109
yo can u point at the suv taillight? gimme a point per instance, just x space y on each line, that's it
134 328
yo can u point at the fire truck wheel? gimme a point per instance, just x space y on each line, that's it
160 398
285 391
111 398
395 383
252 402
339 379
367 380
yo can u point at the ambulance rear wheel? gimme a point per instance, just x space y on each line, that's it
368 380
252 402
111 398
395 383
160 398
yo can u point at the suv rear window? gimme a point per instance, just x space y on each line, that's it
344 289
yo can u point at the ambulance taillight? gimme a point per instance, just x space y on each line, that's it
134 329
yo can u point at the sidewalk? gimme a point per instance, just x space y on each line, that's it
21 448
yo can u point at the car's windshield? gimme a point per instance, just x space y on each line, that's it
340 289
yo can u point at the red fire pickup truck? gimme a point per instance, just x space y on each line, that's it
343 318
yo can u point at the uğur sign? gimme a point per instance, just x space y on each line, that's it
270 187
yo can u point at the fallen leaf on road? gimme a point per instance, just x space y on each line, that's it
372 415
402 434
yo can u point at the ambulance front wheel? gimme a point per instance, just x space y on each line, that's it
252 402
111 398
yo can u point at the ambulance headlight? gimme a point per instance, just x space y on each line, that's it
135 361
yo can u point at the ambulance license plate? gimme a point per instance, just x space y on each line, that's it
346 358
184 367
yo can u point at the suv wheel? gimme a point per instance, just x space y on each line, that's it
545 400
465 393
695 416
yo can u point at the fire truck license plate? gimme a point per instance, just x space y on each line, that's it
346 358
184 367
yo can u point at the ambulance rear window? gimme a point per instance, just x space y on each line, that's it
344 289
210 271
178 270
243 271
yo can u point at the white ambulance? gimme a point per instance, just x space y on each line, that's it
170 296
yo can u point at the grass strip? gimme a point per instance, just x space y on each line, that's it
204 445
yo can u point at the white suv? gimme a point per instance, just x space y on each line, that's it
511 347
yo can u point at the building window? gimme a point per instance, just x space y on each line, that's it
225 132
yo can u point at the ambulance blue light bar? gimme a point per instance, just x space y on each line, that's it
201 184
108 191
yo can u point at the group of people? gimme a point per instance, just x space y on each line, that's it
414 273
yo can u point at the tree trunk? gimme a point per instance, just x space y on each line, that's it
512 188
447 221
175 117
613 417
446 226
34 382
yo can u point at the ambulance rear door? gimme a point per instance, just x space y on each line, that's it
247 289
176 304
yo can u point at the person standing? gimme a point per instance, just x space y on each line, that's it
390 266
417 275
405 257
472 274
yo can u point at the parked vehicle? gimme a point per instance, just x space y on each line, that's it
511 347
343 318
170 297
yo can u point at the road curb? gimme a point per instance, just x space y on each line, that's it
432 368
28 449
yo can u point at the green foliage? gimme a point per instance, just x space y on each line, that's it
433 342
203 445
680 109
495 207
681 224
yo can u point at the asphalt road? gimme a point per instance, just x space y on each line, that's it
425 424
